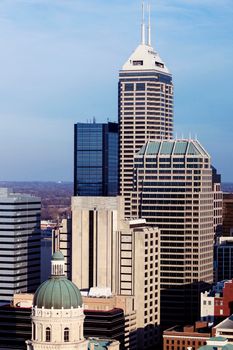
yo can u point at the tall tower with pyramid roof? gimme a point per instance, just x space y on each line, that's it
145 105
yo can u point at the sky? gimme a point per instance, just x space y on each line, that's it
59 64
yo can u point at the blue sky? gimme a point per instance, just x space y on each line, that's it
59 64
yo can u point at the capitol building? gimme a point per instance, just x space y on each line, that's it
57 314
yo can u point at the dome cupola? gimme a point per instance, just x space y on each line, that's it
58 292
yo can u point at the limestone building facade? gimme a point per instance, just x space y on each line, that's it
57 313
145 110
121 255
173 190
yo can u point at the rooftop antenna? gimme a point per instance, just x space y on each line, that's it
149 27
143 26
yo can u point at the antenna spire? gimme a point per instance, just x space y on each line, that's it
149 26
143 26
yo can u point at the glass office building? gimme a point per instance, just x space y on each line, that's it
96 159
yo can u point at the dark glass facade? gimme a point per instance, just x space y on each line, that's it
15 327
105 324
95 159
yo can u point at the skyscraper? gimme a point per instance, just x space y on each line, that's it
95 159
173 190
120 255
19 243
145 106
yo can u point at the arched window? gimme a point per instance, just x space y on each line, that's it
66 334
48 334
33 331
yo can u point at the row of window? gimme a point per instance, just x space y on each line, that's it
48 335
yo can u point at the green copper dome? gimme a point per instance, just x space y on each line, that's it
57 256
57 292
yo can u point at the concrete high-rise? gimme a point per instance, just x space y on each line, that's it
227 214
145 107
173 190
62 242
95 221
96 159
120 255
19 243
218 203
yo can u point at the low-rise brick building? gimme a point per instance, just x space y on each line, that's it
217 304
182 338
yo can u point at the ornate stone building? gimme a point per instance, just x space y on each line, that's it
57 313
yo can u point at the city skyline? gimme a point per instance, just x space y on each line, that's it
49 50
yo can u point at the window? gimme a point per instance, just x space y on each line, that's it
129 87
159 64
138 63
140 87
34 331
48 334
66 334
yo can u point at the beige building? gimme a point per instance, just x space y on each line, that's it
109 252
145 107
126 303
22 300
218 204
95 221
173 190
62 242
138 270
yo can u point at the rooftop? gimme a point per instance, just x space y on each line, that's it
177 147
7 195
226 324
214 347
100 344
145 58
219 343
200 327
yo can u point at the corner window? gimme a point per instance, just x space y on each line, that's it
159 64
129 87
